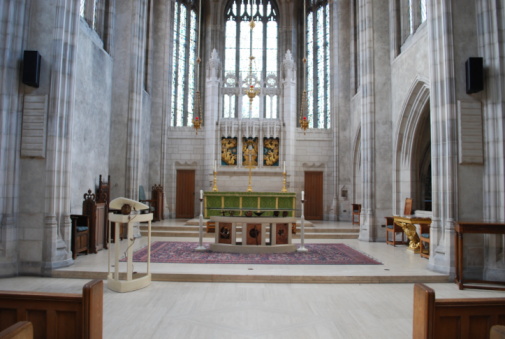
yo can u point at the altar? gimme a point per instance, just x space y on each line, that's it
269 204
253 234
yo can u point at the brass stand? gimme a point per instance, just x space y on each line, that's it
214 186
284 190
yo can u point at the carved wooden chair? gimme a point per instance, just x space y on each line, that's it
407 210
424 241
356 211
103 196
80 234
393 229
155 203
95 212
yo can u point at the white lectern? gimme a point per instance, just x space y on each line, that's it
118 281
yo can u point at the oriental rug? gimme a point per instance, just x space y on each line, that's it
317 254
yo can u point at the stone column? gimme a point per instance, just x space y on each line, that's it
491 40
367 110
135 97
289 115
443 134
11 51
211 116
56 243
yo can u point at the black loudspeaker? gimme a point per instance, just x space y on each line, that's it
474 75
31 68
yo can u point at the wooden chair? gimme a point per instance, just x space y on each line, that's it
158 196
407 210
96 214
424 241
103 196
356 211
155 203
393 229
80 234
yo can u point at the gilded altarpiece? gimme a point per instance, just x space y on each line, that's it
250 151
270 151
228 151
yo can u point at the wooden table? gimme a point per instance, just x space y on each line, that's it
474 228
407 223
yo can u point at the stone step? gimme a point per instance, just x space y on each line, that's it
191 231
192 228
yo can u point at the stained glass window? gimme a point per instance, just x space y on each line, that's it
318 64
184 62
251 59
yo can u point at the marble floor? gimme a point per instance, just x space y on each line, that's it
353 302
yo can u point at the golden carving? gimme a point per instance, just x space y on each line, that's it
408 226
271 156
250 148
227 147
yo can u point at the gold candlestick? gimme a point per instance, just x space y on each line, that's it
249 151
214 186
284 190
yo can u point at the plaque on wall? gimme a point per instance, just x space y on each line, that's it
253 234
225 232
281 234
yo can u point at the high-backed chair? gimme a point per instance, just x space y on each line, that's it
356 211
155 203
424 241
407 210
95 212
103 196
80 234
393 229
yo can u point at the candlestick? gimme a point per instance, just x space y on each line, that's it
284 166
201 194
215 166
303 195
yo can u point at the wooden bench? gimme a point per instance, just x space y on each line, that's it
56 315
454 318
20 330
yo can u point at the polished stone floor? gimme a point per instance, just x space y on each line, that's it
362 301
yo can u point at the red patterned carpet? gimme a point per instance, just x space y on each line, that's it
318 254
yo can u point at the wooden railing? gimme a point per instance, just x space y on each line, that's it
454 318
56 315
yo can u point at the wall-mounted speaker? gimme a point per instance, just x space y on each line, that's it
474 75
31 68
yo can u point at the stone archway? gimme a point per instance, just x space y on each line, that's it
412 145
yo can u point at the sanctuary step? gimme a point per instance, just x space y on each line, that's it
191 230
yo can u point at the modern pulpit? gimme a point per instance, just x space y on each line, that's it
129 215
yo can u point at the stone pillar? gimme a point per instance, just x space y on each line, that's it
490 33
289 115
56 243
11 51
444 145
161 92
212 148
367 110
135 106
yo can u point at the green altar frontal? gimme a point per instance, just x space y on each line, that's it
238 203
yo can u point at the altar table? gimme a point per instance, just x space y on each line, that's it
238 203
254 233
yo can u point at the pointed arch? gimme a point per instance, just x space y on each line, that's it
409 145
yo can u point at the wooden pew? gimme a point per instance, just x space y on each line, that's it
454 318
20 330
56 315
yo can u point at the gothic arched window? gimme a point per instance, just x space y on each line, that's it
251 59
318 64
184 62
